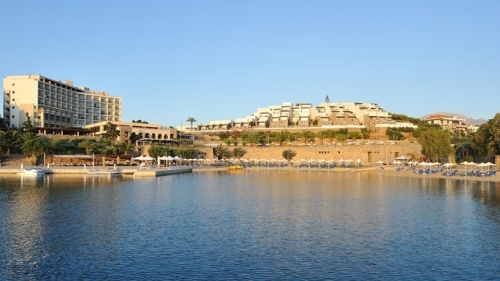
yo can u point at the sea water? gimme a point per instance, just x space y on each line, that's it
255 225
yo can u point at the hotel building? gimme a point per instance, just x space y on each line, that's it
54 104
326 115
148 133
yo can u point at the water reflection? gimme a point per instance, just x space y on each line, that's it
254 225
34 215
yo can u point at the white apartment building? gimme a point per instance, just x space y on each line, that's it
54 104
326 115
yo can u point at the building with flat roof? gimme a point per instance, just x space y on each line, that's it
148 133
326 115
54 104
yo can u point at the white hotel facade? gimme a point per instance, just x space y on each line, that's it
55 104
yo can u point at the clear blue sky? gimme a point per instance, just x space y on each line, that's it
216 60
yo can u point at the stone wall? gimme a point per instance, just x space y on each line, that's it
368 154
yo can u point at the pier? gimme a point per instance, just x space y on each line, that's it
142 173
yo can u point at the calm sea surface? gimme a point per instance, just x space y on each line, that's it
251 225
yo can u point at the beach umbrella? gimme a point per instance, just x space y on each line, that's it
482 165
149 158
404 157
465 163
489 165
448 166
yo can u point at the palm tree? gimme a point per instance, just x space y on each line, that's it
88 145
280 137
112 133
221 151
127 147
10 140
27 126
33 147
306 136
239 152
191 120
321 136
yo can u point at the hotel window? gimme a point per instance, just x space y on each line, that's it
13 116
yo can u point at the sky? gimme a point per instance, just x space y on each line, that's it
221 60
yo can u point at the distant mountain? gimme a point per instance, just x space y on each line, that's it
468 121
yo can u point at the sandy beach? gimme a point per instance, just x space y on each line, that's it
390 172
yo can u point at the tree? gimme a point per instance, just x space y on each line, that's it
254 138
330 134
221 151
3 126
494 138
463 146
186 153
239 152
88 145
191 120
62 146
224 135
126 147
111 132
289 154
280 137
27 126
306 136
157 151
110 149
481 140
341 137
135 137
33 147
354 135
435 144
487 138
10 140
321 136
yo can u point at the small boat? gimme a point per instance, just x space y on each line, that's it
103 172
32 171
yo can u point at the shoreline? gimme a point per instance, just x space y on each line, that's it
372 170
154 172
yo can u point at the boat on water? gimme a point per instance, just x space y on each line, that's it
103 172
32 171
